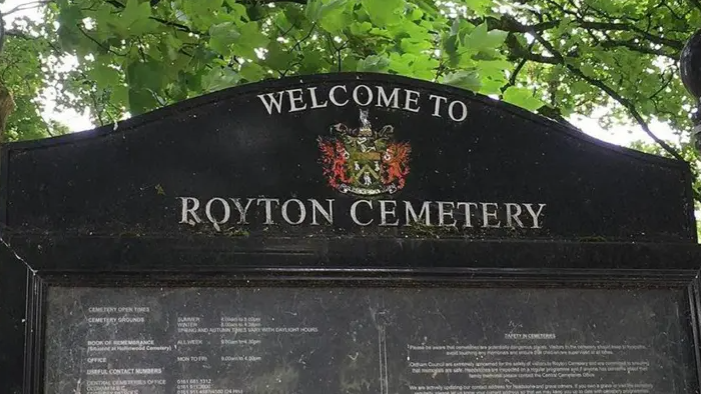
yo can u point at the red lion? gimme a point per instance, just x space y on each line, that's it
334 157
396 159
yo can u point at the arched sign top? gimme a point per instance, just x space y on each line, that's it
344 155
309 99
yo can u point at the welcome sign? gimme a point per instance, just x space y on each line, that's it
345 155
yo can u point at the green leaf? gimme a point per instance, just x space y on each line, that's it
479 6
120 96
332 6
468 80
134 11
373 63
312 10
252 72
69 35
278 57
383 12
251 38
494 70
135 19
220 78
105 76
360 28
332 16
238 9
203 13
523 98
490 86
481 39
313 62
588 70
172 47
141 101
415 46
70 15
223 36
145 75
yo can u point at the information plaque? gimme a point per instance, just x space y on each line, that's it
367 340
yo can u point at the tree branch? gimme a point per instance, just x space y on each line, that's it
601 85
519 52
678 45
510 24
3 32
697 4
517 70
627 104
633 46
514 75
108 49
298 44
28 6
663 87
19 34
554 114
91 93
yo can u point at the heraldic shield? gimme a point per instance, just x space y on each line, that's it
364 161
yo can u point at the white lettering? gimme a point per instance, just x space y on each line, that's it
332 95
451 111
300 99
535 215
411 101
512 216
295 96
243 211
445 211
315 103
354 214
317 208
425 213
389 213
273 102
488 214
437 106
210 216
302 211
467 211
188 210
386 212
268 208
357 96
384 101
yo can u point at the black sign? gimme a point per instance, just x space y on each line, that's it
350 233
344 155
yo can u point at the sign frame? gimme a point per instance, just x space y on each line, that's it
560 265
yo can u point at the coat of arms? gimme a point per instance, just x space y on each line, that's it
364 161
